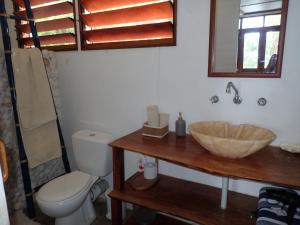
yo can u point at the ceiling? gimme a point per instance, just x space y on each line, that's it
256 6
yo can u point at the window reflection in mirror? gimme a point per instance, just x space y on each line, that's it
247 36
258 42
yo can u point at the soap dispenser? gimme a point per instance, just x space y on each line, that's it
180 126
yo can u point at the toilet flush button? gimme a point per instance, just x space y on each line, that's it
92 135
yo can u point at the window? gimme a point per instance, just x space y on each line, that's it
253 22
54 21
251 49
258 43
127 23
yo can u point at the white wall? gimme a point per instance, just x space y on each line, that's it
109 90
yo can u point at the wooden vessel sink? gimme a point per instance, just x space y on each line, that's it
231 141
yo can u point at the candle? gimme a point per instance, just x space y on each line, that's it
153 115
164 119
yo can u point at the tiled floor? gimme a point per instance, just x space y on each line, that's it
100 208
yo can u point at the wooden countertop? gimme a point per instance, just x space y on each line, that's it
270 165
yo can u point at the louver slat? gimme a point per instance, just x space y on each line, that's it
51 25
138 15
48 11
58 39
34 2
104 5
144 32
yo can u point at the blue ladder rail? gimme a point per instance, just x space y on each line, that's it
22 155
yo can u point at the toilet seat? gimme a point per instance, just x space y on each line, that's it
65 188
65 195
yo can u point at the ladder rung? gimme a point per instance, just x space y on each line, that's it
15 17
24 161
29 194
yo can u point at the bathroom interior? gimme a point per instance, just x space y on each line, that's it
149 112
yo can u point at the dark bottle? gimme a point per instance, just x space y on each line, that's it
180 126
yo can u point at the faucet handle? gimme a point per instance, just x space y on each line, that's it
214 99
262 101
237 100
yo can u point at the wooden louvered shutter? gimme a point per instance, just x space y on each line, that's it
54 21
127 23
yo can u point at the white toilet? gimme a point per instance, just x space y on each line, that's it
67 197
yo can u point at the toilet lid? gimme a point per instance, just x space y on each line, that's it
65 187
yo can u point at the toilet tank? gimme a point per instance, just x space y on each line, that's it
92 153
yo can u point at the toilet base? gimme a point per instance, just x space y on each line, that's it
85 215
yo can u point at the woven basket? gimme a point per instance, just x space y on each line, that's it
156 132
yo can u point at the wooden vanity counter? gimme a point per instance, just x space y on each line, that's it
271 165
192 201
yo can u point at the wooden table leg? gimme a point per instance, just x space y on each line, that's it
118 178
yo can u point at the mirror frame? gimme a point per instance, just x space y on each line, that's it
277 74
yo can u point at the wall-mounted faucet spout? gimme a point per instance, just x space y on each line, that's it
237 99
229 86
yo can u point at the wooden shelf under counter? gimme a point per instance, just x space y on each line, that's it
192 201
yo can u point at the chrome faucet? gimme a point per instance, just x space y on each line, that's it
237 98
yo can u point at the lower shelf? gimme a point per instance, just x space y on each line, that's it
160 220
192 201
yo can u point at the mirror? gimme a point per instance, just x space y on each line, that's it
247 38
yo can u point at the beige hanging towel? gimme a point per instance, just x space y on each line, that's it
35 103
35 107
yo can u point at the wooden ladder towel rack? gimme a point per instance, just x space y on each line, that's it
3 162
7 48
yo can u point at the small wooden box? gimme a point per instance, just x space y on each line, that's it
157 132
